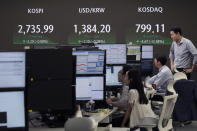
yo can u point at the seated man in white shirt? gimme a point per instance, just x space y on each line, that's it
121 103
163 77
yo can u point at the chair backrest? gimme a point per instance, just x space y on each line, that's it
186 101
175 69
81 124
179 76
150 93
167 109
149 89
146 82
170 87
186 90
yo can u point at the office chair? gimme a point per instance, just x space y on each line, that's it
186 105
170 87
146 82
179 76
175 69
164 122
149 89
81 124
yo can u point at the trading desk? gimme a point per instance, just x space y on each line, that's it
62 129
98 118
104 116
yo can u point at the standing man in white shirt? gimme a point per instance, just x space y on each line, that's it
181 53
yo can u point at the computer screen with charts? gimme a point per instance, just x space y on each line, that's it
90 88
147 51
133 53
116 53
12 69
89 62
12 111
147 67
112 75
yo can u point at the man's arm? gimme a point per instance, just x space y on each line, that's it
172 65
194 62
171 56
109 100
161 77
193 51
115 103
152 79
193 66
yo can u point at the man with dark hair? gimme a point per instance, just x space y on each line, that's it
176 30
181 53
164 76
123 101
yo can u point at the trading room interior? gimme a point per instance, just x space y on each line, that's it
98 65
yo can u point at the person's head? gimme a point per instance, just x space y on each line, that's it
176 34
160 61
122 73
120 76
133 80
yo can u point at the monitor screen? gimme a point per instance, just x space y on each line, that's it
89 62
53 94
90 88
12 110
116 53
50 64
147 67
133 53
112 75
51 74
12 68
147 51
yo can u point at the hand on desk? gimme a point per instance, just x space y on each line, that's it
154 86
109 101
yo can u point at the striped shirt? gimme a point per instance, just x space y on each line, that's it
162 79
182 53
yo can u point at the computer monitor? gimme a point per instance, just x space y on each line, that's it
133 53
147 51
12 69
147 67
116 53
12 111
50 64
112 75
89 62
90 88
54 95
50 76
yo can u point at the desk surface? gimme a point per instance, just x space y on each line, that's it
102 117
96 117
62 129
